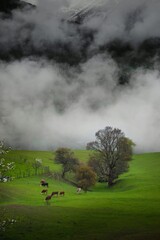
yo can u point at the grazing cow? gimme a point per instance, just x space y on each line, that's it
79 190
43 183
55 194
48 198
44 191
61 193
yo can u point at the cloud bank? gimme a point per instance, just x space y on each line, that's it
45 104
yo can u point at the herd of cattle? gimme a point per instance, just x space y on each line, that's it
43 183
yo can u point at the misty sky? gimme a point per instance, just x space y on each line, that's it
44 105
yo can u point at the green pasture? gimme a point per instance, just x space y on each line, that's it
24 160
130 210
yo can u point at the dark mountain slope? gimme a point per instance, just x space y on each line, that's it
125 54
7 6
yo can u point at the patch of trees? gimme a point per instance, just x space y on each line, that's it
112 152
110 157
85 177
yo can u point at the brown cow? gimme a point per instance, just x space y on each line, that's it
44 191
48 198
61 193
55 193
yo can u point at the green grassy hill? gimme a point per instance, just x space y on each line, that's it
24 160
128 211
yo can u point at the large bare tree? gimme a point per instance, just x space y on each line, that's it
112 152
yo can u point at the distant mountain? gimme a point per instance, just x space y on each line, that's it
7 6
124 53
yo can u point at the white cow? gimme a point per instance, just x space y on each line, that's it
79 190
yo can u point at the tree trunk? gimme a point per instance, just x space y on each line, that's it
110 181
63 174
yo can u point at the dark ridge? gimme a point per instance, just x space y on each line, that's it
148 51
122 53
117 48
127 56
125 53
6 6
57 51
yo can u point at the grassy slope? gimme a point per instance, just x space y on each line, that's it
24 159
129 210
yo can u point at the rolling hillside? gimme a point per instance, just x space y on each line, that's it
129 210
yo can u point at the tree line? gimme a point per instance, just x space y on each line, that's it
109 157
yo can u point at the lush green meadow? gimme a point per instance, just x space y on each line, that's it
130 210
